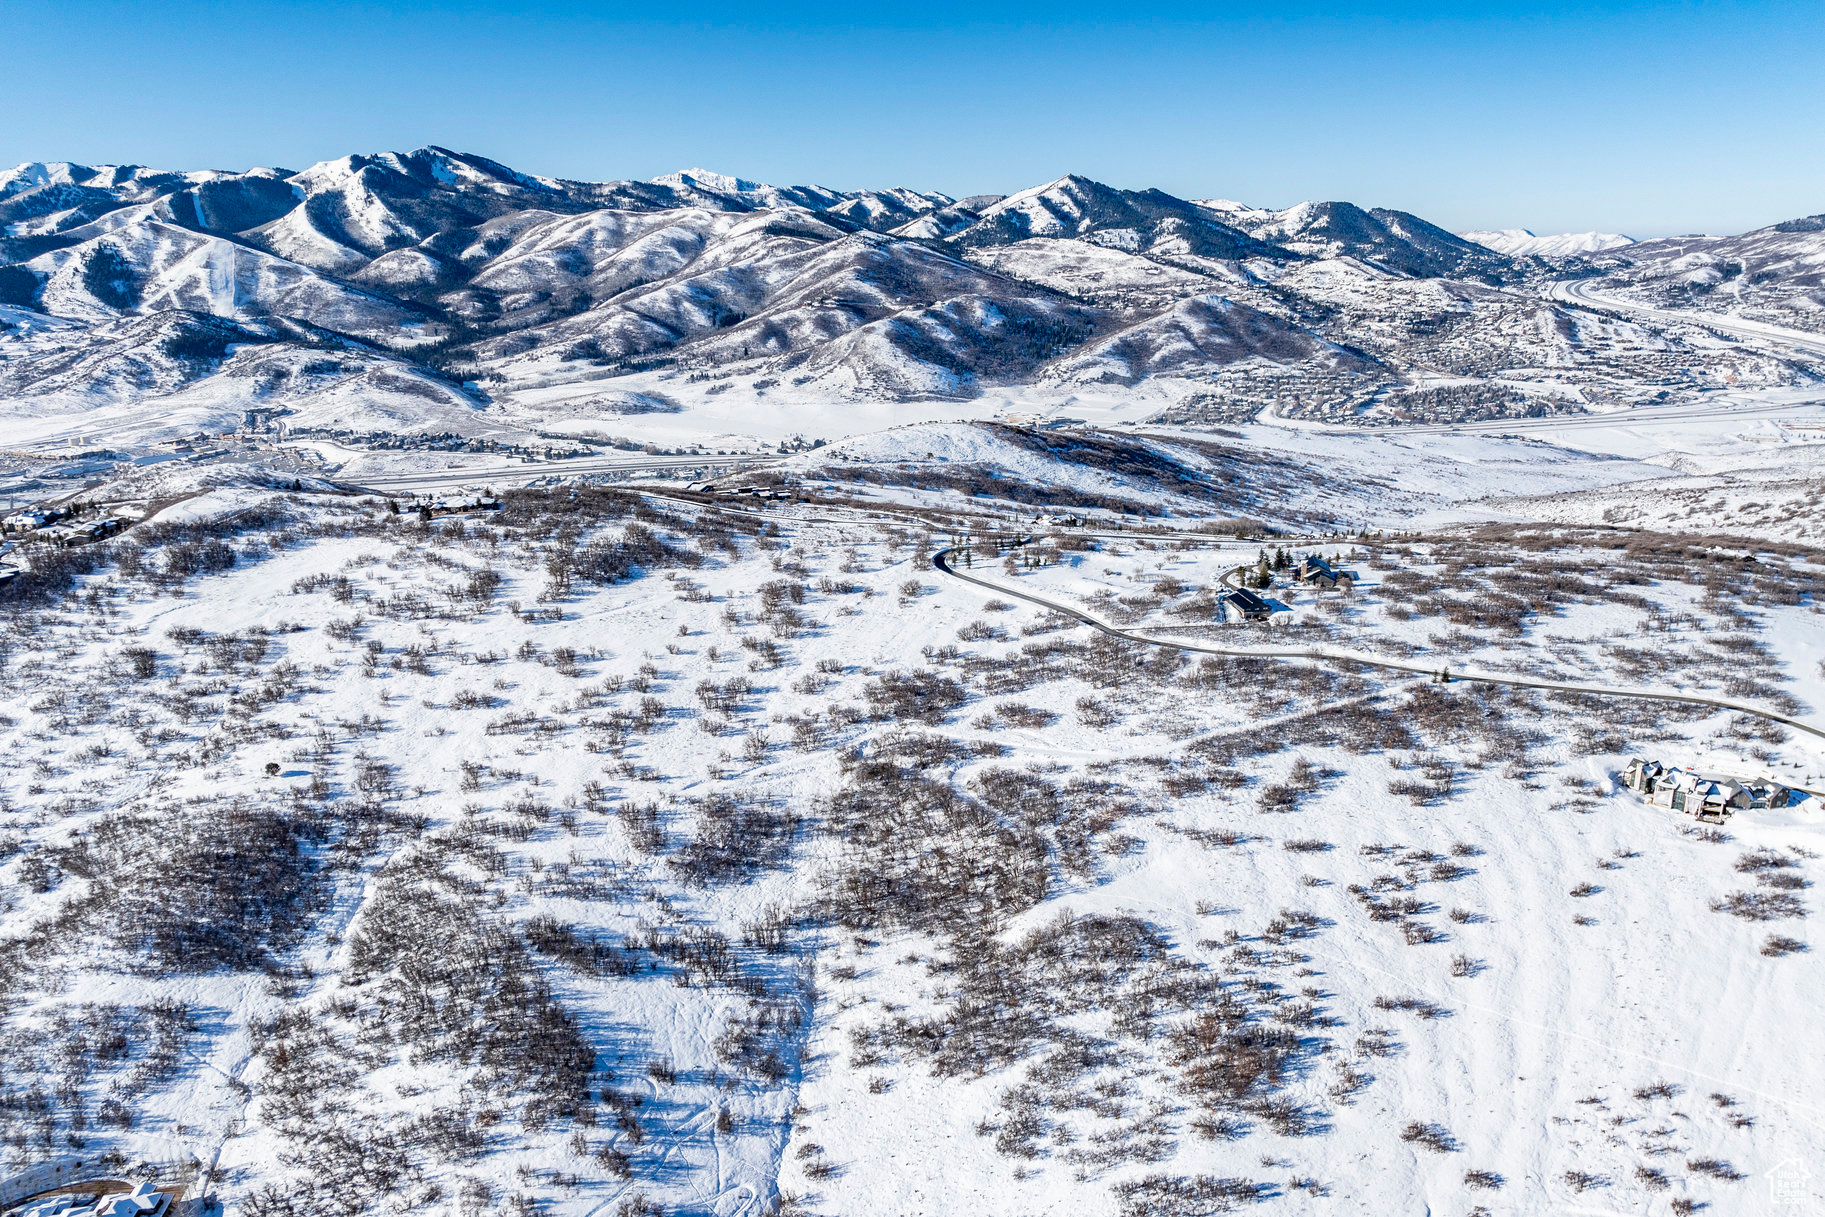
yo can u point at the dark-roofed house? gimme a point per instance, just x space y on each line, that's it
1240 604
1314 571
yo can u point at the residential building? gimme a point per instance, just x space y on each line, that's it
1709 796
1314 571
1241 604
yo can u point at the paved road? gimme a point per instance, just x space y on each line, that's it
1583 291
1311 654
1337 655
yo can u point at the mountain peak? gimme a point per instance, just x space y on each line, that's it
706 179
1523 242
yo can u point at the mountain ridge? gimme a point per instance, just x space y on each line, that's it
464 271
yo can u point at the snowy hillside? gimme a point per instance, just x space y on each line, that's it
1394 240
1774 274
691 697
644 852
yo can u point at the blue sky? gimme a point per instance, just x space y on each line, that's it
1642 118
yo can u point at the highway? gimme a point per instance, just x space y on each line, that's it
1582 291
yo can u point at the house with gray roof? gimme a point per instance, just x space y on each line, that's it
1709 796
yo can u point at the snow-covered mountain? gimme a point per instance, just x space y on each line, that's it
1136 221
1774 274
488 293
1520 243
866 208
1393 240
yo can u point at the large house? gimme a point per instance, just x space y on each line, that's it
71 535
1314 571
456 504
142 1201
34 518
1709 796
1240 604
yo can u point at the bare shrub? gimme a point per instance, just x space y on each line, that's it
1716 1168
641 822
1291 925
1428 1136
233 883
142 662
1764 861
1186 1195
1278 798
1412 1005
1017 715
1760 906
736 837
924 697
583 952
1095 714
1582 1181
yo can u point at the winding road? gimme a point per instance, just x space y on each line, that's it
1338 655
1311 654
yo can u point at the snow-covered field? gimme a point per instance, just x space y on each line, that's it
639 851
619 854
